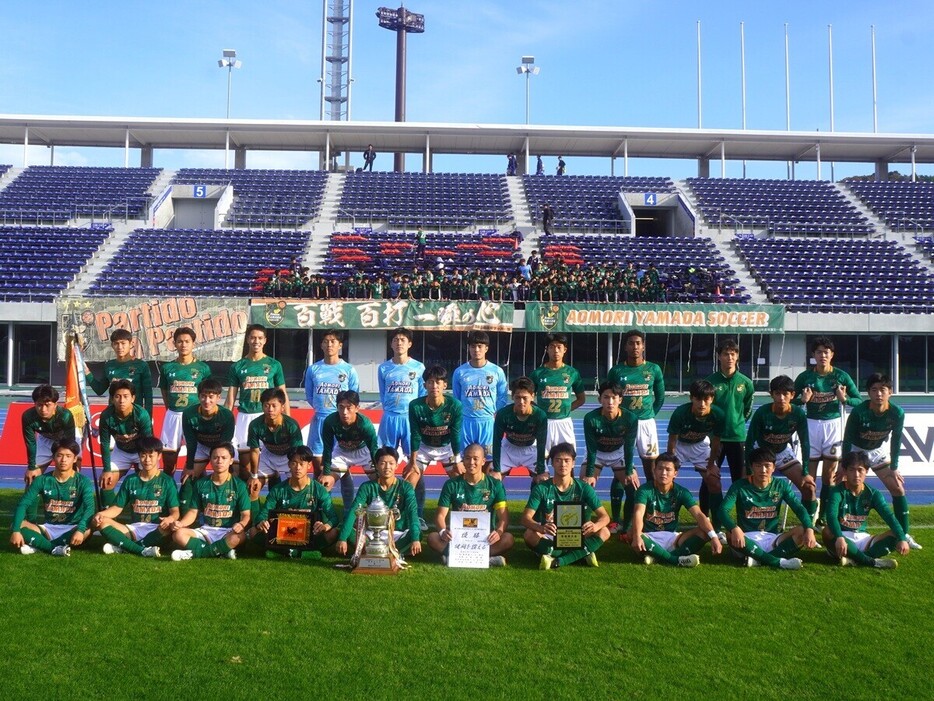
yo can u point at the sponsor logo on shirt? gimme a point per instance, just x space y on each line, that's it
400 386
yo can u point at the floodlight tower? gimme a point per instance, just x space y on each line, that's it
336 58
229 61
529 68
401 22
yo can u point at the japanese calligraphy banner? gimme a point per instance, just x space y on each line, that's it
382 314
219 325
698 318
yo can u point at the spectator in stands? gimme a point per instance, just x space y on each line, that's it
562 166
548 216
421 241
511 164
524 269
535 262
368 157
539 166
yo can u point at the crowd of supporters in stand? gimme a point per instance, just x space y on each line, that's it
532 280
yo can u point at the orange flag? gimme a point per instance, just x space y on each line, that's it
75 398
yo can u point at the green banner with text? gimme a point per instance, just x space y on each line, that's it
382 314
571 317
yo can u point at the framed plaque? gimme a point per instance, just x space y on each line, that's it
569 520
290 528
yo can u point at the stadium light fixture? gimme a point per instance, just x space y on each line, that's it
529 68
229 61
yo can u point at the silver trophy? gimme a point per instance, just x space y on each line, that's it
376 551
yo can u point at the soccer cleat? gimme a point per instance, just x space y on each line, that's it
111 549
497 561
912 543
179 555
846 561
752 562
648 560
721 536
591 560
61 551
422 525
231 554
614 528
688 560
151 551
546 562
790 563
27 549
885 563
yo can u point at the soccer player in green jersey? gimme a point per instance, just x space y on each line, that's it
823 390
875 428
68 499
178 382
694 431
643 394
848 508
538 517
777 426
396 494
153 502
559 390
124 367
43 424
610 435
734 396
474 491
655 519
221 505
756 532
269 439
519 433
125 422
205 425
300 491
435 423
349 439
250 376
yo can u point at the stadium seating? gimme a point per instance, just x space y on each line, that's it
586 201
926 245
38 262
902 205
857 276
393 251
264 198
432 200
58 193
672 256
780 206
222 262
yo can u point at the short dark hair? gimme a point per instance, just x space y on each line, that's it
562 449
821 341
782 383
556 338
727 344
701 389
120 335
210 385
402 331
855 458
879 378
149 444
435 372
348 395
669 457
522 383
226 445
301 452
478 337
760 455
68 444
614 387
184 331
634 332
122 384
383 452
336 333
44 393
272 393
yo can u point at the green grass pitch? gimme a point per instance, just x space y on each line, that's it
96 626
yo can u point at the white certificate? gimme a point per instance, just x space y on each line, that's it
469 546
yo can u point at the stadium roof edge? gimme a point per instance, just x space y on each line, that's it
452 138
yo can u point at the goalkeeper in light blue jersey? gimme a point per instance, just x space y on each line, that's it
482 388
400 381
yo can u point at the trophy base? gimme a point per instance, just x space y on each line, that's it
376 565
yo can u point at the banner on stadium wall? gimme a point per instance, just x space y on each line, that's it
219 324
672 318
383 314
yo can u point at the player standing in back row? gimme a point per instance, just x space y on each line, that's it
481 387
559 390
254 373
178 383
644 395
400 381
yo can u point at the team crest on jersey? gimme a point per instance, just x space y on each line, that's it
548 317
195 375
274 313
485 495
72 493
741 388
157 491
413 375
647 376
490 379
342 377
266 369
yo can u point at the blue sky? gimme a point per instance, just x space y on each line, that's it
603 62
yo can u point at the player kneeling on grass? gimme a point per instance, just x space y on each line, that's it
300 491
68 498
538 516
269 438
848 507
756 532
125 422
396 494
655 519
43 423
520 431
153 503
474 491
221 504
